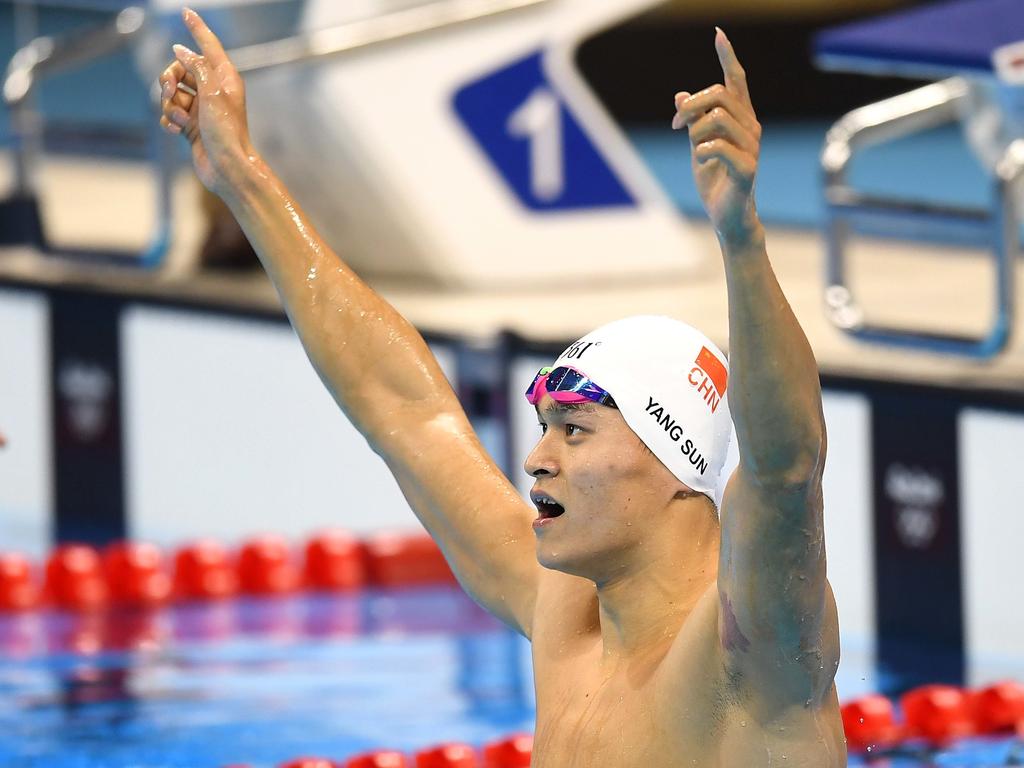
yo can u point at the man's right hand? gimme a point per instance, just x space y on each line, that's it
213 121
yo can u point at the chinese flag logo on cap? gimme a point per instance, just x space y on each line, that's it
714 369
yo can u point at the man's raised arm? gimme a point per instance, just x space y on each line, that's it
777 620
375 364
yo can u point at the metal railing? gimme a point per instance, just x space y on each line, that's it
46 56
847 209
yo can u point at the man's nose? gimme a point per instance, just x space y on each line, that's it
540 462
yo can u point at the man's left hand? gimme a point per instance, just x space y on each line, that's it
725 139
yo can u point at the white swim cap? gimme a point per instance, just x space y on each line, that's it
669 382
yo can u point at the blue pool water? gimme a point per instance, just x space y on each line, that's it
258 681
263 681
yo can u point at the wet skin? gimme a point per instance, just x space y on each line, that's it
631 667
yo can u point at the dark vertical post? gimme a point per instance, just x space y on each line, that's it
917 540
86 376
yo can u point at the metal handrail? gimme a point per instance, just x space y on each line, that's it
45 56
364 32
998 227
911 112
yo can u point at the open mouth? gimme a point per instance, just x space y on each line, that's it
547 507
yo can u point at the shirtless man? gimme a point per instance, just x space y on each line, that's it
662 637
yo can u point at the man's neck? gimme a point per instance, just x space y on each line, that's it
642 611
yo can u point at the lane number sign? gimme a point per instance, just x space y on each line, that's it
531 138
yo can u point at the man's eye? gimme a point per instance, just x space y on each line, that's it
569 430
543 427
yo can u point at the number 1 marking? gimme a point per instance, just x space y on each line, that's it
539 119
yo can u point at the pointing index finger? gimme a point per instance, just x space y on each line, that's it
735 76
209 45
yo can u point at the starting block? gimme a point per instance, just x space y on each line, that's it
975 48
455 143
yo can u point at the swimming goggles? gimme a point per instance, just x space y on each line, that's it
566 385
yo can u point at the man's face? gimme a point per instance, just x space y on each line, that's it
614 491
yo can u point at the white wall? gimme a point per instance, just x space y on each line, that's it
229 431
849 536
26 468
992 531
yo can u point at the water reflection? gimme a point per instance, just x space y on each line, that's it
258 680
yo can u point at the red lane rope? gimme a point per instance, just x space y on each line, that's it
509 752
933 715
80 577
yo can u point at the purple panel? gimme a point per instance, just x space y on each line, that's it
958 35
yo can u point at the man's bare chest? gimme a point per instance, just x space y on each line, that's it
582 726
587 719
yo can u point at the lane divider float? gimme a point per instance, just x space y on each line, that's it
80 577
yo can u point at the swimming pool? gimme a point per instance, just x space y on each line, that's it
260 681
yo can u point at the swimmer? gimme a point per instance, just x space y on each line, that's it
667 629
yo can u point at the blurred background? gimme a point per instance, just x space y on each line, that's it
503 171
